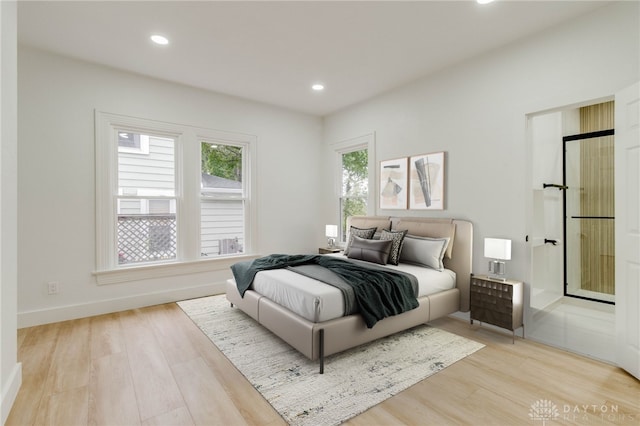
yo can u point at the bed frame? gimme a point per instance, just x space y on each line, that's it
318 340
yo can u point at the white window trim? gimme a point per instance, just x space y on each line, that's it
246 194
144 202
221 194
145 272
187 194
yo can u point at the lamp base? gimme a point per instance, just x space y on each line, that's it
497 270
331 242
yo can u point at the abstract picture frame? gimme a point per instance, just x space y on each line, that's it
393 188
426 181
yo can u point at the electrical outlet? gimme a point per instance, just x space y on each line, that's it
52 287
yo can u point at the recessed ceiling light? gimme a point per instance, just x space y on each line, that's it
158 39
318 87
484 1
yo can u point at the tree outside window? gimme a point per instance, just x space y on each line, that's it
355 186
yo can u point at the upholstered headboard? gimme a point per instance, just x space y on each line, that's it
459 256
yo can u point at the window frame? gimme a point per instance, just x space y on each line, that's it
227 194
344 147
187 196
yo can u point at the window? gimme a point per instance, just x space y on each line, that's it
222 199
354 159
355 185
147 229
154 207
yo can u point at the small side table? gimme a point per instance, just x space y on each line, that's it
328 250
497 302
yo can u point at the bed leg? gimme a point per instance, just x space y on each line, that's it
321 349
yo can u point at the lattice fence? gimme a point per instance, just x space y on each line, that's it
144 238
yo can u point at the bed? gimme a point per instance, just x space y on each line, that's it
309 314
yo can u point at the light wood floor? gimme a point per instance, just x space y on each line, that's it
153 366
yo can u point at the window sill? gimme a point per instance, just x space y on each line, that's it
144 272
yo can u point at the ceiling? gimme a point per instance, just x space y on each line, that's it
273 52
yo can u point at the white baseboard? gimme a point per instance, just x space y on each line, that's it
10 392
69 312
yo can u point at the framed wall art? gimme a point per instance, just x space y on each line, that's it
426 181
393 184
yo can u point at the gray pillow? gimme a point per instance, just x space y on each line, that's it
366 233
397 238
376 251
424 251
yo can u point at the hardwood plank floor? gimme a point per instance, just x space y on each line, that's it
153 366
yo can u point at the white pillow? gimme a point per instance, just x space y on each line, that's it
424 251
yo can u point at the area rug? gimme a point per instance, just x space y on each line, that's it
353 381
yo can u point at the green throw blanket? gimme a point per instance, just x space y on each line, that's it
379 293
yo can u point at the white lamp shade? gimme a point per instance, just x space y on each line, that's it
331 231
497 248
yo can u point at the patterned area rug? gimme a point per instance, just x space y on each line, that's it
353 381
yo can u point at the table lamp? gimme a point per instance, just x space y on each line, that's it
331 231
499 250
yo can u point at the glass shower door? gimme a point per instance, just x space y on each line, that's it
589 216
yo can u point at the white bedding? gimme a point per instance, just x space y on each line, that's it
318 302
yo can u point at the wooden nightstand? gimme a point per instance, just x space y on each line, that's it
497 302
328 250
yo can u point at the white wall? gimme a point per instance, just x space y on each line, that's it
57 98
476 112
547 283
10 369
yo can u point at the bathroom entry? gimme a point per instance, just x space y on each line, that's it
589 216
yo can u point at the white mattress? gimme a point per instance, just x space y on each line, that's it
318 302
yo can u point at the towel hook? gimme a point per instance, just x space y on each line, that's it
554 185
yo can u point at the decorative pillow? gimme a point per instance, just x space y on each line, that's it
367 234
424 251
397 239
376 251
439 229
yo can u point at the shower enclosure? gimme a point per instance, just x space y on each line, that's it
589 255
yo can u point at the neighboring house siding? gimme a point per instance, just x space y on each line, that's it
221 220
148 174
129 207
